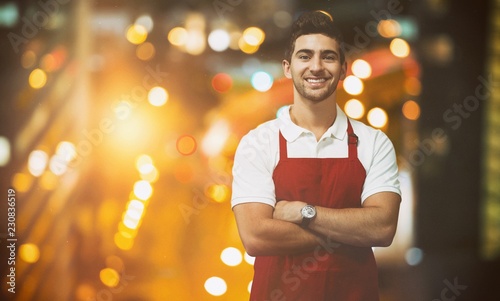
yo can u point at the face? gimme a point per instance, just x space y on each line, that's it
315 67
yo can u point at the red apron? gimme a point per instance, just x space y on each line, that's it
335 272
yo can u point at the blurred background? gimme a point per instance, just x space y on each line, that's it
119 121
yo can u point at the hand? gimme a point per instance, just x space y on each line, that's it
289 211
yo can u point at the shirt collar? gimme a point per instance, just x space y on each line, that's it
291 131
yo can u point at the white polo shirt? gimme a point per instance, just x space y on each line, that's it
258 154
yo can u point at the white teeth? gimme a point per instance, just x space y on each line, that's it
316 80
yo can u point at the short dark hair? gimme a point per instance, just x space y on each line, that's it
314 22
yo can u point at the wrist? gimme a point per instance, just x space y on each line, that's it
308 213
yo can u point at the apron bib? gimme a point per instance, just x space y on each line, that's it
336 272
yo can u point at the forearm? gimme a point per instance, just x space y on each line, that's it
275 237
262 235
361 227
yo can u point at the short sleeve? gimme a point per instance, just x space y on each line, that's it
382 174
252 173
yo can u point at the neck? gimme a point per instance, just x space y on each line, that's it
316 117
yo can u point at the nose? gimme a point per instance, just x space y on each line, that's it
316 64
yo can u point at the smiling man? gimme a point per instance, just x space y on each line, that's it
314 191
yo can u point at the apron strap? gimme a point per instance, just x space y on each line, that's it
352 141
283 147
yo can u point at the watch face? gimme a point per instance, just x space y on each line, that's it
308 211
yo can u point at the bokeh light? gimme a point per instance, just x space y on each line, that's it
37 78
128 232
414 256
231 256
146 168
28 59
145 51
218 193
400 48
130 222
149 173
67 151
85 291
135 210
37 162
143 190
48 63
55 59
186 145
411 110
215 286
196 39
137 34
262 81
22 182
253 36
4 151
143 160
215 138
354 108
219 40
178 36
222 82
195 44
157 96
413 86
109 277
389 28
377 117
245 47
361 68
353 85
29 252
136 205
146 22
124 242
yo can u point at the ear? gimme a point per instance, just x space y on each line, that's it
343 71
286 69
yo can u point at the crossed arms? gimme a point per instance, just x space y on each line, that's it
265 230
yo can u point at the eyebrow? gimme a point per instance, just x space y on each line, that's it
310 51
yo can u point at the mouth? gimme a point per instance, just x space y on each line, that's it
316 81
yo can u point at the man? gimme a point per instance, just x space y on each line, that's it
313 191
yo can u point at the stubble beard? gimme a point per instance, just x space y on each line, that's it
313 95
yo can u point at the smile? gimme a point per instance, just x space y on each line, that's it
316 80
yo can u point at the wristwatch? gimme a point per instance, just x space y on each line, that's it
308 213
